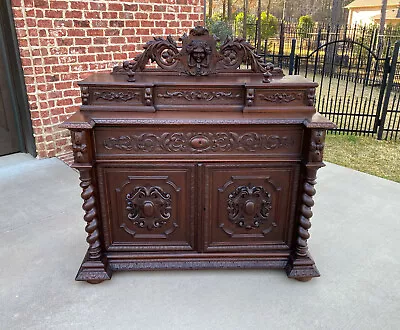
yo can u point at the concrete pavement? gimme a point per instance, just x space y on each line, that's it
355 243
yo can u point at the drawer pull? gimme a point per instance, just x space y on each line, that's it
148 208
199 142
250 208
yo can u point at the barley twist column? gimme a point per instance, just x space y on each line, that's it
301 266
89 206
94 268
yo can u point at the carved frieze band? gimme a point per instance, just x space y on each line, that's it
249 206
199 95
118 96
281 97
148 207
198 142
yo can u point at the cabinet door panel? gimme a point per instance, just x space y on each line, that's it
147 207
249 207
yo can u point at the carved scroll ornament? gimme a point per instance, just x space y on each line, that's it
281 97
249 206
198 56
198 142
148 207
199 95
119 96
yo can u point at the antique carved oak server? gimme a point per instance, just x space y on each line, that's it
198 163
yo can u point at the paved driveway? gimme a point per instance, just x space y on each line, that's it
355 243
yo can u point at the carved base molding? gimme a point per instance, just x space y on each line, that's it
302 269
94 271
193 264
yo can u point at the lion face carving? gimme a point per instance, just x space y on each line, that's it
198 52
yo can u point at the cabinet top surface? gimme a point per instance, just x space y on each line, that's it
231 79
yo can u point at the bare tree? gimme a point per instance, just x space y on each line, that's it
229 11
382 24
224 9
259 26
336 12
246 7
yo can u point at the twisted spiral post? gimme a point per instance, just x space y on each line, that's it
89 206
305 215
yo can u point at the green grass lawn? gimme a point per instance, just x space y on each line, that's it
365 154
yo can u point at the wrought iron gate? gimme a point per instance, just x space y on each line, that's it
358 76
356 86
389 122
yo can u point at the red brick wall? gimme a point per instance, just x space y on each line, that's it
62 41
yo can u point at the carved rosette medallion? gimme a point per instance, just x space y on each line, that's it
148 207
199 142
249 206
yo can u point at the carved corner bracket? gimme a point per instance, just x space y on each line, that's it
198 56
317 145
80 147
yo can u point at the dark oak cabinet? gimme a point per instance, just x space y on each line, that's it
197 164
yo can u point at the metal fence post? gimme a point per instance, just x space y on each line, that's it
386 70
291 57
297 65
281 44
388 89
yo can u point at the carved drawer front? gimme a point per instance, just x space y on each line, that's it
283 98
207 97
112 97
147 208
249 207
231 140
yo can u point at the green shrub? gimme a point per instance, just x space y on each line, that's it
218 27
305 26
251 25
269 26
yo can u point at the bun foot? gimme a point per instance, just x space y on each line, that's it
303 279
301 269
94 281
94 271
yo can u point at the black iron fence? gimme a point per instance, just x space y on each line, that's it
357 70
